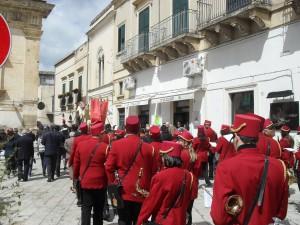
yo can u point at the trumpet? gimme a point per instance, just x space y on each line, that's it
138 189
234 205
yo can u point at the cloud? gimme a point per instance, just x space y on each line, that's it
65 28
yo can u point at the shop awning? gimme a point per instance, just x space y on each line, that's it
280 94
175 96
136 102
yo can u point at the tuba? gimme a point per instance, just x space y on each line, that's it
234 205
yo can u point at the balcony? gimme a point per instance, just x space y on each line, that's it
136 55
224 20
215 22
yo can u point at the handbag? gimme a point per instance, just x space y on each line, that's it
115 190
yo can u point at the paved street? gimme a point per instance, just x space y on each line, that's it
43 203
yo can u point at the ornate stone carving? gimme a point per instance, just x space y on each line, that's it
241 25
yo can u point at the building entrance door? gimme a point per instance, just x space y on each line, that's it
181 114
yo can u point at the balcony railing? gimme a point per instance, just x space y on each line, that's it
137 45
211 11
174 26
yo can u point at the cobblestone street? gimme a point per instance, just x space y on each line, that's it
43 203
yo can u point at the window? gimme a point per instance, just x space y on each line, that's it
121 118
80 82
46 80
144 30
71 86
242 102
121 38
64 88
285 111
121 88
100 56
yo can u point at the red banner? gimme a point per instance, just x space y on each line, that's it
98 111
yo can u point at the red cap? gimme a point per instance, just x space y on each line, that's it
132 124
97 129
154 132
262 120
120 132
285 128
225 128
246 125
201 131
268 123
187 136
83 127
171 148
207 122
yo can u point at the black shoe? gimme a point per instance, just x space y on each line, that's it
49 180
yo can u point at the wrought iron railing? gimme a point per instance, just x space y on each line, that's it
173 26
211 11
135 46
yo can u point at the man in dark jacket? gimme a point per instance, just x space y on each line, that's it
52 141
25 152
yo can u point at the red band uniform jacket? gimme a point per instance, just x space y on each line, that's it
287 156
76 141
264 141
95 176
165 188
193 167
241 175
225 149
120 156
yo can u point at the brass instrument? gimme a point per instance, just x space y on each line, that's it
138 189
234 205
291 176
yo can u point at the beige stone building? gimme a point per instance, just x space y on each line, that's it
101 58
71 86
179 58
46 97
20 74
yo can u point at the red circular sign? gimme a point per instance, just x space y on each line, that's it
5 42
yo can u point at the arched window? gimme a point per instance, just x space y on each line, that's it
100 57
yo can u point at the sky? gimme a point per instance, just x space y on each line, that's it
65 28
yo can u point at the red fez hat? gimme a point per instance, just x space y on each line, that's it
83 127
97 129
246 125
207 122
120 132
262 120
187 136
171 148
201 130
285 128
225 128
268 124
154 132
132 124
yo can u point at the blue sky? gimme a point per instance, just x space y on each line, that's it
65 28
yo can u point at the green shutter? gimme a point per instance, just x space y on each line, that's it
144 30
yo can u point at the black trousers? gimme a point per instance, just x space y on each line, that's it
189 213
92 199
50 161
23 169
58 161
298 178
129 214
205 173
211 158
42 155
